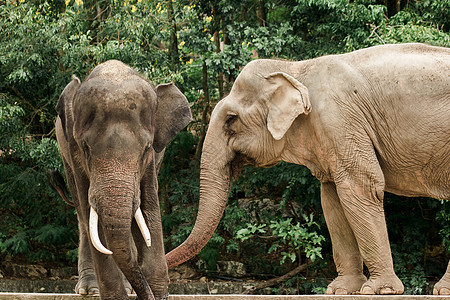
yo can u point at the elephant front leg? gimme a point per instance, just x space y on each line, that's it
87 280
442 287
362 201
346 255
152 259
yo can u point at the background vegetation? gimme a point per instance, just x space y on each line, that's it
201 46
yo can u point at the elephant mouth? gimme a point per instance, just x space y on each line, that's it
240 160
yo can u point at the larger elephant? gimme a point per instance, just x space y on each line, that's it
112 130
364 122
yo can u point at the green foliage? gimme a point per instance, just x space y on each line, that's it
42 43
291 238
443 217
251 230
18 244
10 120
297 237
415 249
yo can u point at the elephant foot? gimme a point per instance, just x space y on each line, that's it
346 284
383 285
442 287
87 284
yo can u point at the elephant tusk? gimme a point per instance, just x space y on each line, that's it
143 227
93 232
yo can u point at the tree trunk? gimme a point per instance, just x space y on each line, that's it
261 14
220 74
203 125
228 80
398 6
393 7
173 48
97 12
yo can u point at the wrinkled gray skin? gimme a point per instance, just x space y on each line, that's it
365 122
112 130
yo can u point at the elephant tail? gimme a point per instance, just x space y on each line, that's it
58 184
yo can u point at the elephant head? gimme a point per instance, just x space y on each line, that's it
114 122
249 126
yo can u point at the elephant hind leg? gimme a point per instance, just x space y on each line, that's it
365 214
442 287
360 187
346 255
367 220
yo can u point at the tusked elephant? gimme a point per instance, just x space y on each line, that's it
112 130
364 122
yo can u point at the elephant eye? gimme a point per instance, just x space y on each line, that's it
147 151
86 150
231 117
147 148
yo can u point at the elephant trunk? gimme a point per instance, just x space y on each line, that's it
116 203
215 182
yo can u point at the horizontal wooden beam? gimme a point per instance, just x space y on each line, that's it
47 296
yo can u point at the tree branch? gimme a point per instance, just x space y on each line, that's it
277 280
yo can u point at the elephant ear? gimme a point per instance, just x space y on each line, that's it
172 114
65 101
288 98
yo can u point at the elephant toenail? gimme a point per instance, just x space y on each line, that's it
386 291
367 290
340 292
